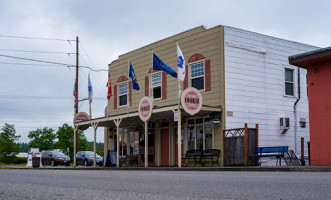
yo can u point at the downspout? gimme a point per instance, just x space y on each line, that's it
295 113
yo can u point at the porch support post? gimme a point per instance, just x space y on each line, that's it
117 123
95 126
146 143
75 142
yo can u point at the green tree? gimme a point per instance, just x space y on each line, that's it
8 146
24 146
42 139
65 136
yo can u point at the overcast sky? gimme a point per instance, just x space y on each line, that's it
36 95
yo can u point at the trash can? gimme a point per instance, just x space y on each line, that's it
35 162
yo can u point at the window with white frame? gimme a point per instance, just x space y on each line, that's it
199 133
198 75
123 94
289 82
156 85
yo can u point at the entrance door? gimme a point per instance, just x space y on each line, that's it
165 147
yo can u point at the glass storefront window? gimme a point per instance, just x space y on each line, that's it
129 142
208 135
199 131
199 134
191 138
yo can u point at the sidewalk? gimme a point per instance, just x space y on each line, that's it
250 168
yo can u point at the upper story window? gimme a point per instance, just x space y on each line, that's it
197 75
289 82
156 85
123 94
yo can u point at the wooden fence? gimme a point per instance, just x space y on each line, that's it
238 144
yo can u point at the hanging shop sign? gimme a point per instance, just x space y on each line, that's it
191 100
82 116
145 109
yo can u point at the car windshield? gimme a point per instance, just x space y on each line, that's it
90 153
56 153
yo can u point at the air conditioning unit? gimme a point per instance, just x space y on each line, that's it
284 123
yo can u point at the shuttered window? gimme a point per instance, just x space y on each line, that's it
197 75
156 85
122 94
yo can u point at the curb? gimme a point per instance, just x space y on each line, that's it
235 169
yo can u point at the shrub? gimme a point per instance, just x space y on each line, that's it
13 160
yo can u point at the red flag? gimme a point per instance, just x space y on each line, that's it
75 93
109 87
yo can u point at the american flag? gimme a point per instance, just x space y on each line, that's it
75 93
109 87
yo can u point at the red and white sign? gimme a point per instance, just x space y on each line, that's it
82 116
145 109
191 100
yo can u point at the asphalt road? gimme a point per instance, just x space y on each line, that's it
113 184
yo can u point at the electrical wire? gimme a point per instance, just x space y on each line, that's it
27 51
36 38
19 97
51 62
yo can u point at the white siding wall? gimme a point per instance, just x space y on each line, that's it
254 86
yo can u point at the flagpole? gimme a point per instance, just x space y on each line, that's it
179 131
128 87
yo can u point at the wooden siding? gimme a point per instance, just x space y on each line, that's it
254 86
199 40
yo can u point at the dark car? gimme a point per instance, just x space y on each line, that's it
87 157
54 158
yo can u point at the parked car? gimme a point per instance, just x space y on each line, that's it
54 158
87 157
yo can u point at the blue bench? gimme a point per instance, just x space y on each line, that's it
277 152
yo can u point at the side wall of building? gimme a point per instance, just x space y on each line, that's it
319 76
255 89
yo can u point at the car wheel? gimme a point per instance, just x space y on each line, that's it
53 164
68 164
85 163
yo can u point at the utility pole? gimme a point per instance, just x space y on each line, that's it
76 106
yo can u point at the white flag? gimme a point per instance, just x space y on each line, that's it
180 64
90 90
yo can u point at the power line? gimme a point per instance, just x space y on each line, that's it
51 62
7 63
36 38
18 97
28 51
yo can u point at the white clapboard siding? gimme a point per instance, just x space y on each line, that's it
254 86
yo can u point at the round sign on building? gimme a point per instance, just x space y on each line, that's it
145 109
191 100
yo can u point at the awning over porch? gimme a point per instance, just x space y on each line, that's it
158 113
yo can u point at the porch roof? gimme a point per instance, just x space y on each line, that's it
158 113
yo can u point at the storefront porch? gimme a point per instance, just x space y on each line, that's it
124 133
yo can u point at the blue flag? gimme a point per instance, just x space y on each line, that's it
133 76
158 64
